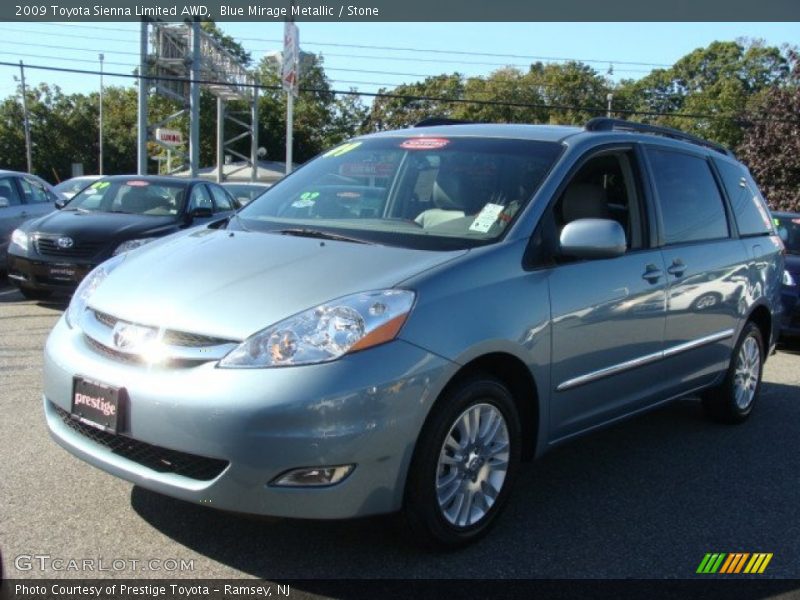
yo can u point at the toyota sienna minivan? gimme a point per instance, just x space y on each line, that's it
402 322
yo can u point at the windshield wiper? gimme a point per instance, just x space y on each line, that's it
317 233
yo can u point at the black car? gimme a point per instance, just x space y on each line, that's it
113 215
788 226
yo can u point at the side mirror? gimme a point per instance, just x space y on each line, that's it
60 203
4 203
593 238
201 212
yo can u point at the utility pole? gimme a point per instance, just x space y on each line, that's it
141 121
100 159
194 101
610 98
289 78
27 123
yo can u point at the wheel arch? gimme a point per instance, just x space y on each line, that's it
513 372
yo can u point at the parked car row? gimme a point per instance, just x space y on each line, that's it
109 216
402 322
22 197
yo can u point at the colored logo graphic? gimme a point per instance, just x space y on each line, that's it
734 562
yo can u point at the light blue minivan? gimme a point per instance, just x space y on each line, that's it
400 323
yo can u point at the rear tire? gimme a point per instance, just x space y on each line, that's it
464 464
733 400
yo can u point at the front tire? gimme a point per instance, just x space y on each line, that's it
733 400
464 465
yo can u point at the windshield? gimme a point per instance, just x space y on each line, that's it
73 186
789 230
425 192
133 196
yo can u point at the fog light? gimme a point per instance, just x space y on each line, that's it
313 476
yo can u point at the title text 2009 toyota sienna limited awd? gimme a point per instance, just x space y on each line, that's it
401 322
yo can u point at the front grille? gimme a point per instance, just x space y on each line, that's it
162 460
134 359
105 319
171 337
191 340
47 246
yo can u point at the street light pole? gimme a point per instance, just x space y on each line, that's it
27 123
100 159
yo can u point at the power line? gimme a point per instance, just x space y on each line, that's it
71 48
467 53
590 109
389 48
61 58
265 51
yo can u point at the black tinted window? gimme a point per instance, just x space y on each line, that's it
748 208
691 205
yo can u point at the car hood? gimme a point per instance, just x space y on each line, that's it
101 225
232 284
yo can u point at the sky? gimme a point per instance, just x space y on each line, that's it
633 49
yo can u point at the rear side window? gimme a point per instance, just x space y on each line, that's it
751 215
690 201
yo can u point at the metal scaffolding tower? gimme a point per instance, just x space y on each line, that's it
178 60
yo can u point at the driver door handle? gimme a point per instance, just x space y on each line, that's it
677 268
652 273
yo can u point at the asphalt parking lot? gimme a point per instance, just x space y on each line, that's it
646 498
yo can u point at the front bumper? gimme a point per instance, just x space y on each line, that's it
46 274
366 409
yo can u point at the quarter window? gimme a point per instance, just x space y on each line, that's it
748 207
9 191
200 198
221 199
690 201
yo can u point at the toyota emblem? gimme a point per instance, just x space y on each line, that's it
65 242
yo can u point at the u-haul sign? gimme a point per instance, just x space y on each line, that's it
173 137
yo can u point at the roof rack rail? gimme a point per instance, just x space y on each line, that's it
434 121
609 124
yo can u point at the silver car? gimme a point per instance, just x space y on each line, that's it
402 322
22 197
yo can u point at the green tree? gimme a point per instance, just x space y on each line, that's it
716 81
319 118
410 103
771 141
227 42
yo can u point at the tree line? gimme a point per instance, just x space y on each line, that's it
742 94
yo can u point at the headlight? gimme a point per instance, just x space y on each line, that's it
20 239
80 299
132 245
787 279
326 332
